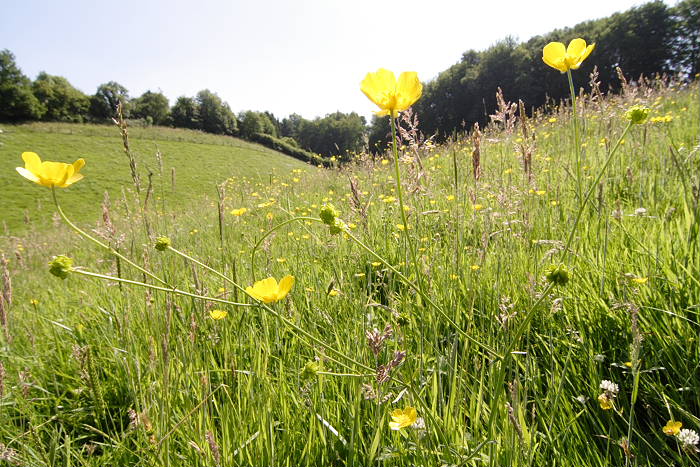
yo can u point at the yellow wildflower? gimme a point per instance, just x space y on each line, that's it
401 418
218 314
269 291
672 428
606 403
390 95
640 280
50 174
239 212
557 55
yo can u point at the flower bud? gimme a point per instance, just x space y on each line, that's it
60 266
637 114
338 226
558 275
310 370
329 214
163 243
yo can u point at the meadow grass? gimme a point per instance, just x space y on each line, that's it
503 367
194 161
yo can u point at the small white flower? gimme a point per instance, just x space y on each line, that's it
582 399
609 386
419 424
640 212
599 358
688 437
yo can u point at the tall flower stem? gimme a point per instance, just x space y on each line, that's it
577 138
111 250
399 191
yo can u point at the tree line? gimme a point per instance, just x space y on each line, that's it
645 40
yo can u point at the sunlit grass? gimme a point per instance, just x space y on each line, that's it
102 374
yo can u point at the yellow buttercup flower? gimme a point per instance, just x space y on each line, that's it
390 95
50 174
269 291
239 212
563 58
401 418
606 403
218 314
672 428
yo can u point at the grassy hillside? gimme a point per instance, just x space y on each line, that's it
196 162
458 316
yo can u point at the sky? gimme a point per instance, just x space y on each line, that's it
304 56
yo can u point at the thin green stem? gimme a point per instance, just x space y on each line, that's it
404 220
577 141
266 234
592 189
424 296
111 250
155 287
275 313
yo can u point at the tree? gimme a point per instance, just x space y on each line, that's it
62 102
251 123
215 116
289 127
686 46
153 106
185 113
103 104
335 134
17 102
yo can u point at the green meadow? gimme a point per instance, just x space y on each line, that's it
524 326
191 164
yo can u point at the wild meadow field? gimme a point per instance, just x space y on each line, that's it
526 307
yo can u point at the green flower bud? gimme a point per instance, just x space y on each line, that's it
328 214
558 275
60 266
338 226
311 370
163 243
638 114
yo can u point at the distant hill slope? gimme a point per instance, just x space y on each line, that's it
198 161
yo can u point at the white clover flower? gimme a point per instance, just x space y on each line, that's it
688 437
609 386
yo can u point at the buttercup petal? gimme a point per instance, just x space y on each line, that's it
409 89
587 52
576 48
376 86
32 162
553 52
76 177
28 175
285 286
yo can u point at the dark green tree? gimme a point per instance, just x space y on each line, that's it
335 134
185 113
215 116
686 44
63 102
289 127
17 102
151 106
103 104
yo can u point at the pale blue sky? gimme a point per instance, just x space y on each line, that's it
304 56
